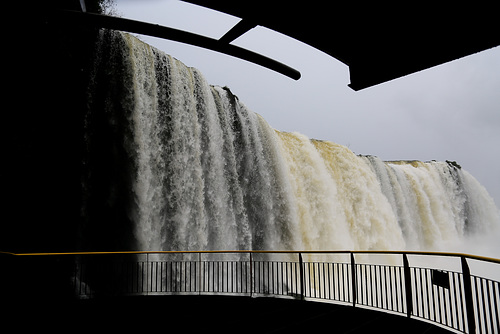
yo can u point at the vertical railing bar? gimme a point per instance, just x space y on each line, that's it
234 277
190 276
478 303
353 279
147 274
257 276
385 288
455 320
369 290
324 281
330 280
415 289
377 291
489 304
314 288
267 283
215 278
392 288
221 279
495 296
138 276
450 308
237 277
252 276
240 262
289 278
428 291
220 276
422 289
283 277
212 279
401 290
168 276
156 277
420 294
286 280
199 273
272 277
436 310
371 282
276 278
381 291
305 280
380 296
438 292
265 277
259 270
225 265
379 287
161 276
341 281
366 300
276 288
367 284
375 285
336 281
347 285
446 305
318 281
461 301
229 275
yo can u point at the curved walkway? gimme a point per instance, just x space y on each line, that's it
210 314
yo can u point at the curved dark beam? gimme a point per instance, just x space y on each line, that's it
155 30
379 42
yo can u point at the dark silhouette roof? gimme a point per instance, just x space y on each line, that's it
379 42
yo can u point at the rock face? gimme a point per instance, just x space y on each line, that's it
47 71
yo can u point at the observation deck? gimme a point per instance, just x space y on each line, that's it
255 291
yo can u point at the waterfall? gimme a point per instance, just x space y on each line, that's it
191 168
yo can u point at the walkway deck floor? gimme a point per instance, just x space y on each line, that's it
215 314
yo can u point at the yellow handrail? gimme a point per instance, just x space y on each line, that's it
469 256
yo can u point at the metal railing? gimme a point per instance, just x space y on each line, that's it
442 290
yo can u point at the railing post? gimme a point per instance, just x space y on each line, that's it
469 304
409 296
301 268
353 280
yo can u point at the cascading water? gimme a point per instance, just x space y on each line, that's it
198 171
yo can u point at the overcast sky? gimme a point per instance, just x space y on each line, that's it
448 112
